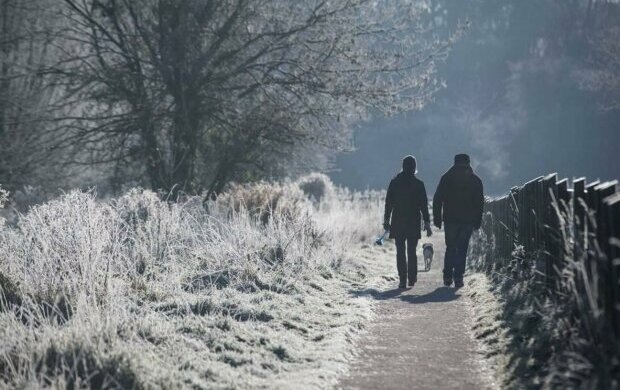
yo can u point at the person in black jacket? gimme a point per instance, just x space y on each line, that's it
406 204
458 202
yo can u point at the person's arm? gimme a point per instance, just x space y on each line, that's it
389 206
479 204
424 206
424 210
438 203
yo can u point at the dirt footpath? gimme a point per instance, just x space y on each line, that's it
421 337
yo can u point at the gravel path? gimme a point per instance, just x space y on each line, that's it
420 337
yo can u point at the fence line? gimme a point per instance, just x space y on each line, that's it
552 220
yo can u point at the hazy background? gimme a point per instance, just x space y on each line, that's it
521 99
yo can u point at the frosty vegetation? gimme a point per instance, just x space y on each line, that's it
138 292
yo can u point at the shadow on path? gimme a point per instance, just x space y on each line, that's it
440 294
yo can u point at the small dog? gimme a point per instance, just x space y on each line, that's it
427 250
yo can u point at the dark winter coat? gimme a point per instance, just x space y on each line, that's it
459 197
406 203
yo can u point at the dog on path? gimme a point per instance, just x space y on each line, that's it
428 252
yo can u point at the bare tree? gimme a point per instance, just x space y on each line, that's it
199 91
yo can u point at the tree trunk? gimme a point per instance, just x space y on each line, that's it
185 134
155 166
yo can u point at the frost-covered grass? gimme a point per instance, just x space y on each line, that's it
136 292
489 326
538 335
4 195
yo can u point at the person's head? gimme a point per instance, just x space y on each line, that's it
409 164
462 160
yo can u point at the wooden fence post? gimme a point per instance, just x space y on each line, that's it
603 190
539 208
612 204
551 226
591 195
507 204
534 209
525 217
579 212
514 217
579 193
563 195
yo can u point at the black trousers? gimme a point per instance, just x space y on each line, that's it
406 259
457 242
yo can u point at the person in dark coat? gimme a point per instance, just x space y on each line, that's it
458 202
406 205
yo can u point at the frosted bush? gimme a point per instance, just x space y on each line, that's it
264 200
316 186
66 247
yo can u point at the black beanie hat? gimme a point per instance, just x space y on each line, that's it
461 159
409 164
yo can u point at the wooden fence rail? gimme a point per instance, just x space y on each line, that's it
554 222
